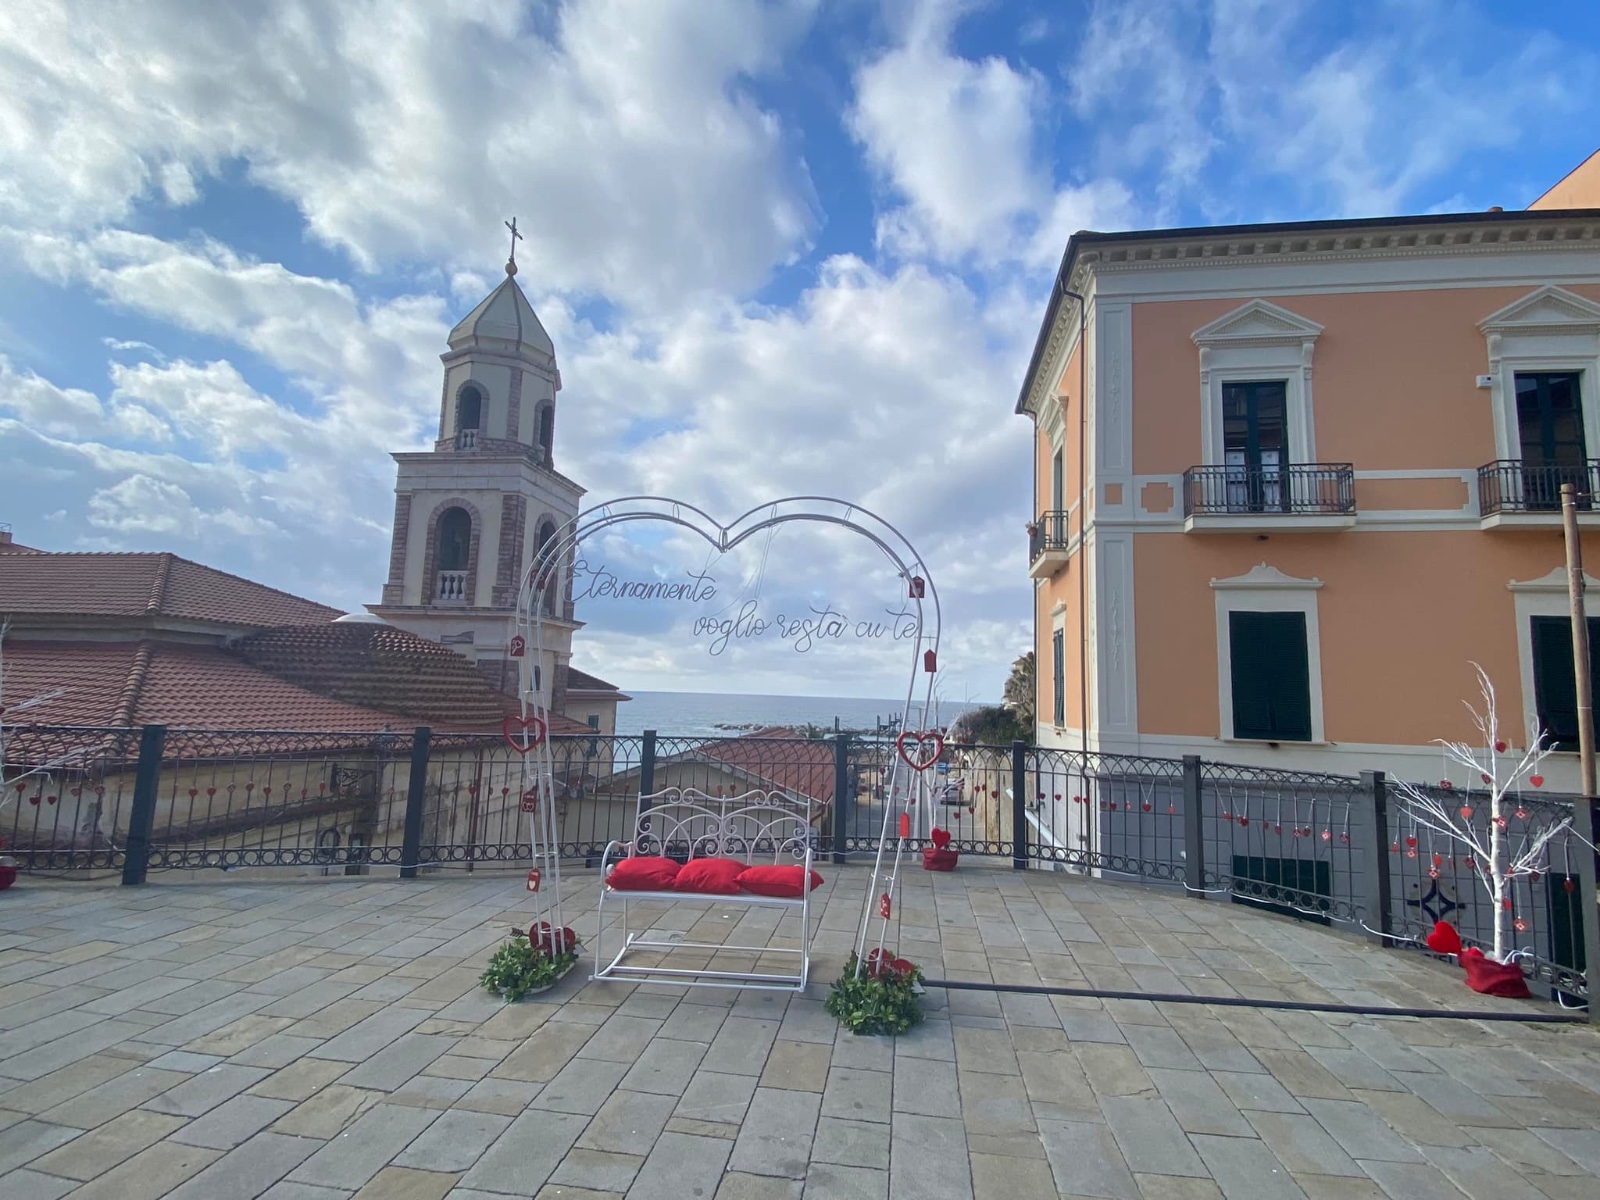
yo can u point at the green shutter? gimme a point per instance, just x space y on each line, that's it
1555 685
1271 676
1058 646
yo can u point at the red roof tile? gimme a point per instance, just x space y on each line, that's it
584 682
138 683
145 585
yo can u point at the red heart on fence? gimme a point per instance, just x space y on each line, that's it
512 726
940 837
924 742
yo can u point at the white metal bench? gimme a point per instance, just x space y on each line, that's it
756 828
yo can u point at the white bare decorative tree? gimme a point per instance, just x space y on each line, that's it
1508 853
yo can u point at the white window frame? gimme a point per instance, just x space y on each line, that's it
1543 597
1266 589
1258 342
1549 329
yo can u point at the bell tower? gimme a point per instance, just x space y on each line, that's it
470 513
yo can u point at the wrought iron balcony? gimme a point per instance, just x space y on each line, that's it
1308 495
1049 532
1510 487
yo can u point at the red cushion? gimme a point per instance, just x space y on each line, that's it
1492 978
710 876
783 883
644 873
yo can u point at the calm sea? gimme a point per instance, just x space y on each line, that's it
711 713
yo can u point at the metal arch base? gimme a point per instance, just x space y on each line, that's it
906 791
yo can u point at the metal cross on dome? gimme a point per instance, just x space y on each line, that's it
511 263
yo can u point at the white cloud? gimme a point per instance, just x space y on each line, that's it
958 141
621 131
1248 110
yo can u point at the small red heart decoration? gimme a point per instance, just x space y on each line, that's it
1446 785
1444 939
930 746
1485 778
1536 780
1466 813
940 838
1411 841
511 727
1499 747
1147 808
884 906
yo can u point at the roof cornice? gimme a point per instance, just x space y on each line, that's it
1436 235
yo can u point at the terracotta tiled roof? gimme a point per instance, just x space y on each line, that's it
379 667
138 683
585 682
143 586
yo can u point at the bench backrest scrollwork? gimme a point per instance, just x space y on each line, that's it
756 826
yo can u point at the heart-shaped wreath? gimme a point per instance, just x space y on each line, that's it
924 742
516 731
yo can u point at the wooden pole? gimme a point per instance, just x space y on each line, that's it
1580 636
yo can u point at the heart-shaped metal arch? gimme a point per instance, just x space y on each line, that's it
556 553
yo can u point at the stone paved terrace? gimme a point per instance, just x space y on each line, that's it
311 1040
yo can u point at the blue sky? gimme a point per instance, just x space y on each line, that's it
797 246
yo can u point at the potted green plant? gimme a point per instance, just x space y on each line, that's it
531 962
882 994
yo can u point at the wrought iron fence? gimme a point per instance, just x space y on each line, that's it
1341 850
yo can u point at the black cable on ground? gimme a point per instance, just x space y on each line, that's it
1360 1010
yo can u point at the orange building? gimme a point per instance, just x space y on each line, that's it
1291 479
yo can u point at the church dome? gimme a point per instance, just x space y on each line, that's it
504 315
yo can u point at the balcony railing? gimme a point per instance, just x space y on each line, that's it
452 587
1510 486
1049 532
1304 489
466 439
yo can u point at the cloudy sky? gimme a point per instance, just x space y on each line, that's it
798 246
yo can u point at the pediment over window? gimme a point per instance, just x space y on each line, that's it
1555 582
1266 576
1549 309
1257 323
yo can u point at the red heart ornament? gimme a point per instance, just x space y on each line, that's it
1444 939
512 726
1499 747
940 838
1536 780
925 742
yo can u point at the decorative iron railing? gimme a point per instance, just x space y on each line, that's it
1049 532
1510 486
1300 488
1340 850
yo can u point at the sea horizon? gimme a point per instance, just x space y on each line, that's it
707 714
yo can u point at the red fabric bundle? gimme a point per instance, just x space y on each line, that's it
643 873
934 859
1492 978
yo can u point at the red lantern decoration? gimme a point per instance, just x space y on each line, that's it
533 879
